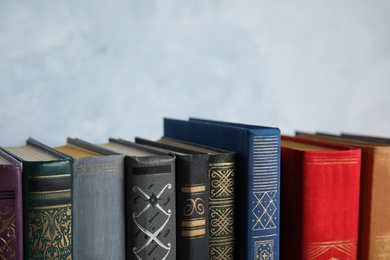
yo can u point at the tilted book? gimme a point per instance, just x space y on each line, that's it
98 201
319 200
192 201
257 179
150 200
11 211
374 218
47 201
221 177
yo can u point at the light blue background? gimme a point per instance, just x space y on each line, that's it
99 69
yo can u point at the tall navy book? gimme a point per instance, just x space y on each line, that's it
257 180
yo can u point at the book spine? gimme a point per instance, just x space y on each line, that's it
375 206
331 207
151 207
257 184
11 215
192 206
47 209
99 207
221 177
264 193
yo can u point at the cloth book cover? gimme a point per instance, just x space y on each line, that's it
319 200
221 177
11 214
192 201
98 201
47 201
150 200
257 178
374 218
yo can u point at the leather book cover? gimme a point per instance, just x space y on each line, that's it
374 218
150 201
192 201
11 214
319 200
257 190
221 177
47 201
98 201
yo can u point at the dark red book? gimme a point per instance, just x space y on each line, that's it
11 214
320 187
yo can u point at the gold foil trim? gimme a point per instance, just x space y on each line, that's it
193 223
193 233
50 195
193 189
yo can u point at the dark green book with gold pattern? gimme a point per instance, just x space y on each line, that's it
47 201
221 177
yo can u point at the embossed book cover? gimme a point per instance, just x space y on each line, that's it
150 201
257 190
319 200
192 201
374 214
221 177
47 201
11 214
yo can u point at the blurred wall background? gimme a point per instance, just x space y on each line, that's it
99 69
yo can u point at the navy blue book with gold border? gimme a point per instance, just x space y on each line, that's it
257 178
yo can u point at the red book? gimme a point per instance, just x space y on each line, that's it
11 224
320 187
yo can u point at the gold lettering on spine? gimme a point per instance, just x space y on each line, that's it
194 206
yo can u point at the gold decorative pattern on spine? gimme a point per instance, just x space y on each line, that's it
7 233
264 250
194 210
50 232
264 210
193 228
193 223
193 189
346 247
382 246
221 177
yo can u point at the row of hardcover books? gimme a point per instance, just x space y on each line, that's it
205 190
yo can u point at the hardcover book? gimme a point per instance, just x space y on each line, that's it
221 177
47 201
374 218
192 201
98 201
319 200
11 211
150 200
257 202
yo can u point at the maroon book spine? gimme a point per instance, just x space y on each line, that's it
11 214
